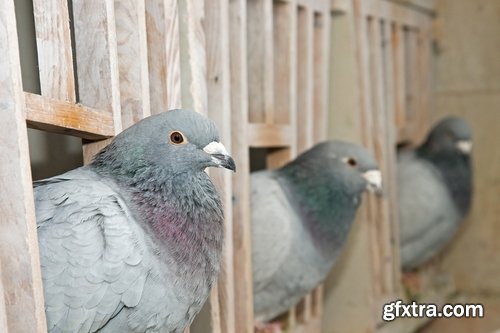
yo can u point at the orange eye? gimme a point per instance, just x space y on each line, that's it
176 137
352 162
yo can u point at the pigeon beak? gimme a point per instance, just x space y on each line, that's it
465 146
220 156
374 181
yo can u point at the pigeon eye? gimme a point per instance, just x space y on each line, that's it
176 137
352 162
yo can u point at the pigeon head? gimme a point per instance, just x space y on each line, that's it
358 162
448 148
451 135
176 141
347 163
326 184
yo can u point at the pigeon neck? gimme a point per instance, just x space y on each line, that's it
183 215
325 201
455 169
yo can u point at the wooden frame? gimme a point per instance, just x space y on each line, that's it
259 68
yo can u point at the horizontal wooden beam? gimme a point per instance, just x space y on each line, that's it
315 5
269 135
340 5
56 116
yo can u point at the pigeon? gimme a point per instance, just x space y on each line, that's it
132 242
301 215
435 191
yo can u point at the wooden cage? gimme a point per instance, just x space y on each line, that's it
259 68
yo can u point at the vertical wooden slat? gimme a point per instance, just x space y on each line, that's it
3 308
132 60
241 179
21 277
424 81
219 109
162 24
321 51
282 29
285 77
369 129
305 83
411 77
398 55
53 41
390 181
173 65
260 61
96 62
381 153
193 55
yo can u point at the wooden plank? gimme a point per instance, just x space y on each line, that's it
96 61
3 308
382 152
424 70
315 5
219 109
173 65
96 57
342 6
162 24
373 143
394 12
390 181
53 41
56 116
411 84
282 29
260 61
132 60
285 77
369 208
242 253
398 57
318 301
193 55
320 67
21 275
305 83
266 136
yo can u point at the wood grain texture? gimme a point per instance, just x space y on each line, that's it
283 13
162 24
242 264
268 136
399 78
56 116
342 6
132 60
55 57
21 276
216 27
260 61
390 111
320 82
3 308
96 57
305 84
97 61
193 55
369 208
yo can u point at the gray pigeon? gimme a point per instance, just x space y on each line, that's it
132 242
301 216
435 188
